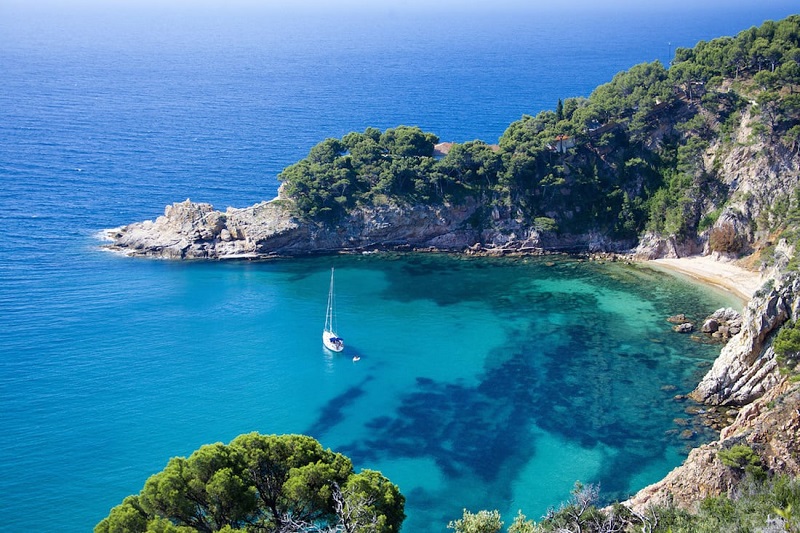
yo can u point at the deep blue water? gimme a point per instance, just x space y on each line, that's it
482 384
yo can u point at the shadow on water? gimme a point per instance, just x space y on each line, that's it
332 414
578 365
478 435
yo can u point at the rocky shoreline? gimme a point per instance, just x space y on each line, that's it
189 230
745 380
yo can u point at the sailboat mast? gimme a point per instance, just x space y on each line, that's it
329 317
330 339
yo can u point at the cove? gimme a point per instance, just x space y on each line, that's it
483 382
497 383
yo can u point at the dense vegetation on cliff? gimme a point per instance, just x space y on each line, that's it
627 159
761 505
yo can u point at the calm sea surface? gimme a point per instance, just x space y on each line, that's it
482 383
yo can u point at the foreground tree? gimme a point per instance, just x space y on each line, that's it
262 483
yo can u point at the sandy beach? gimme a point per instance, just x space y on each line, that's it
741 282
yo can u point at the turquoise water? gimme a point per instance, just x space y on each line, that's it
482 383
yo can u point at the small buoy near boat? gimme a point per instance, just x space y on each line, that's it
356 358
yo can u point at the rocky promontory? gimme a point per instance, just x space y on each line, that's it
190 230
747 368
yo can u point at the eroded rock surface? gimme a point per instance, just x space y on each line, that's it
190 230
746 367
769 425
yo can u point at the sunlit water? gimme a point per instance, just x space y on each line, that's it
483 383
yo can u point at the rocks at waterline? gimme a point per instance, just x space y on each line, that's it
678 319
710 326
189 230
682 324
770 426
755 405
721 324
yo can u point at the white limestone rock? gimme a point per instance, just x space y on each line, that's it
746 366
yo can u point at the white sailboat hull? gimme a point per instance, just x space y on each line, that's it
332 342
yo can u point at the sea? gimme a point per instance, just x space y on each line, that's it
483 383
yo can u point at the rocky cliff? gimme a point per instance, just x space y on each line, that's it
758 175
770 426
746 367
756 181
746 374
190 230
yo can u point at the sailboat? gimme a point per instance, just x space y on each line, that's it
329 337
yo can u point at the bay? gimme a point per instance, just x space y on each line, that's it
482 384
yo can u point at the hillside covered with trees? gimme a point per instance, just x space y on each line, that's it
635 156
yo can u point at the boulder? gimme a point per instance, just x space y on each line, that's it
723 323
726 314
678 319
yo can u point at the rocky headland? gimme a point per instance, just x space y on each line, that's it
190 230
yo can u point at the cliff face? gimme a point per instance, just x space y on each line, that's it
754 177
189 230
745 374
746 367
756 174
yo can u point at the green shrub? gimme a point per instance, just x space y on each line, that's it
787 342
709 220
480 522
743 458
545 224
